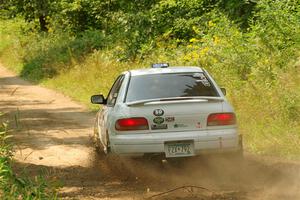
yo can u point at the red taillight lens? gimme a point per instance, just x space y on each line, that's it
221 119
132 124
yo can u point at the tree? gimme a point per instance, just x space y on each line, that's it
31 10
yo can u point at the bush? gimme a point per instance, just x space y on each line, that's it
44 55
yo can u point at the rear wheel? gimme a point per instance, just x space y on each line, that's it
97 144
238 156
99 147
106 148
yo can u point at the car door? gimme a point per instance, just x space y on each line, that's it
106 109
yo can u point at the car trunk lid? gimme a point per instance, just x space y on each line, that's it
180 114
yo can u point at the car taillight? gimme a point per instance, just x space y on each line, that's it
221 119
132 124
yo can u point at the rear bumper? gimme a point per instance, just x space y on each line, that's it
204 141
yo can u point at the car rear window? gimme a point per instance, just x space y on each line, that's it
154 86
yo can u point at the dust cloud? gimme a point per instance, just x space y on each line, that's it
219 175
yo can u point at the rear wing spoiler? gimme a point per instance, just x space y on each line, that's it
174 100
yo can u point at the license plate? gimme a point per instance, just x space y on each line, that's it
179 149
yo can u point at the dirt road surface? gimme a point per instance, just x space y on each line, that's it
52 135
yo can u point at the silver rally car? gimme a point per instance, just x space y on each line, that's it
175 111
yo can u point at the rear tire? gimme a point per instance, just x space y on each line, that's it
97 144
99 148
238 156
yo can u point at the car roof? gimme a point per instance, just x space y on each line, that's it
168 70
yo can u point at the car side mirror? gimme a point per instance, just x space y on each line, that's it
98 99
223 91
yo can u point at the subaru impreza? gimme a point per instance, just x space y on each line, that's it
172 111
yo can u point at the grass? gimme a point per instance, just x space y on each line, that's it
8 43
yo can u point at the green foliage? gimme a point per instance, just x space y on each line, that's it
80 15
133 24
44 55
32 10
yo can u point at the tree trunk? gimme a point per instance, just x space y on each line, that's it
43 23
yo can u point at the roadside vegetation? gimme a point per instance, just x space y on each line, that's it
19 186
250 47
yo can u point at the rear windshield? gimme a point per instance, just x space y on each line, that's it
155 86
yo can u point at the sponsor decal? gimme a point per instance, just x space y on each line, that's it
170 119
158 120
180 125
158 112
159 126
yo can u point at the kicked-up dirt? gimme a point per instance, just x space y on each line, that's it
53 136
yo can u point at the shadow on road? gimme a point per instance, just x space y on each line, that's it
40 128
